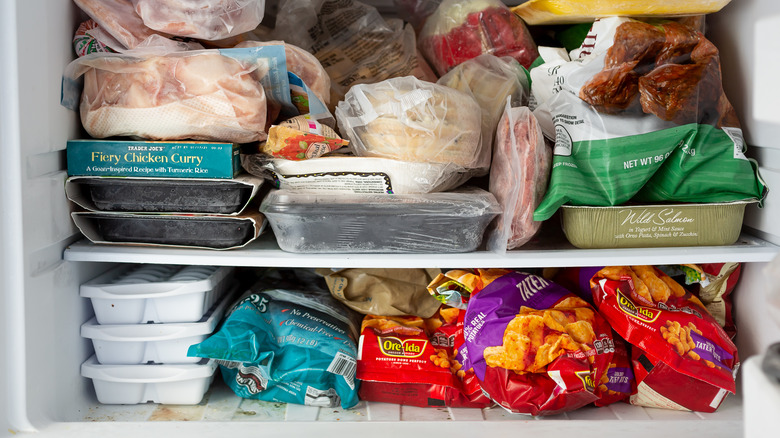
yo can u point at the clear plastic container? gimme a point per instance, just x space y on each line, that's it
444 222
137 294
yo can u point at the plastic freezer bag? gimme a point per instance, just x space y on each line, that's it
518 178
283 346
411 120
118 19
201 19
463 29
354 43
641 115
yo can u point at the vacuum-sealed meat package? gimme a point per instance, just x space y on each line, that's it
518 178
640 115
411 120
535 347
290 346
463 29
682 358
201 19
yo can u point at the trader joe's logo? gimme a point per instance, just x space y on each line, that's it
628 307
394 347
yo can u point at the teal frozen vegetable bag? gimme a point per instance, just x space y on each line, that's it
638 113
287 346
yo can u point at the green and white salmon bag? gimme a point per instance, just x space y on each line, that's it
609 157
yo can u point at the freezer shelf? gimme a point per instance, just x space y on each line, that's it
223 413
550 253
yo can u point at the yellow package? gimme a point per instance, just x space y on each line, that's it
582 11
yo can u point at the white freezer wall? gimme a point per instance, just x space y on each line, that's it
41 309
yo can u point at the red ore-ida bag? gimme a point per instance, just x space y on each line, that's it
412 361
682 358
535 347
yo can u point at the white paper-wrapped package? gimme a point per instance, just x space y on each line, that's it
350 174
303 64
411 120
201 19
199 95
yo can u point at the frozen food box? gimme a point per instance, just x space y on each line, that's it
163 195
147 293
168 159
581 11
443 222
175 384
640 226
164 343
183 230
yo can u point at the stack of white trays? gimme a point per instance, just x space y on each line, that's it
146 317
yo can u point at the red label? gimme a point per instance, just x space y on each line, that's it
394 347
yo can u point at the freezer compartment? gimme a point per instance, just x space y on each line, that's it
162 343
138 294
160 195
444 222
183 384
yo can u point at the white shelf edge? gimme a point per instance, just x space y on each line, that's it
265 253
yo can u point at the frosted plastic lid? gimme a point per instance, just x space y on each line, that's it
153 281
156 332
465 202
147 373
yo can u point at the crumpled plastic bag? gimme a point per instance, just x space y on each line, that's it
518 178
411 120
201 19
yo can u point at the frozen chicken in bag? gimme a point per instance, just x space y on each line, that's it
201 19
411 120
199 95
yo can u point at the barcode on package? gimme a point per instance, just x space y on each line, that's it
343 365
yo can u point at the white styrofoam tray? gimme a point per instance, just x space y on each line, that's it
177 384
164 343
137 294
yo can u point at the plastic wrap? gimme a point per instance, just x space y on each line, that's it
354 43
303 64
641 115
518 178
118 18
463 29
349 174
490 80
300 138
196 95
376 223
201 19
411 120
582 11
